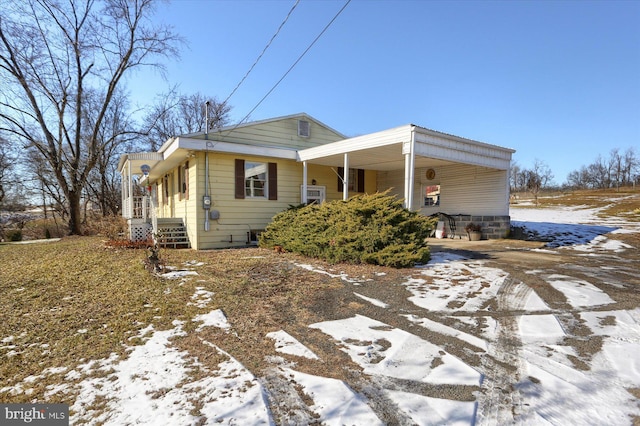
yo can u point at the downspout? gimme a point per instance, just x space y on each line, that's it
206 167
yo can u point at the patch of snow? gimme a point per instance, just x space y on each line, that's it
214 318
373 301
152 386
602 243
427 411
201 297
579 293
577 226
383 350
534 302
287 344
540 329
342 275
560 394
174 275
455 285
448 331
335 402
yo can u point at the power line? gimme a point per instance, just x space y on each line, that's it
292 66
262 53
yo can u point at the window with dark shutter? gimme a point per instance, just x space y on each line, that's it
356 180
256 180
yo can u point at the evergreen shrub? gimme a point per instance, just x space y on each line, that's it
374 229
15 235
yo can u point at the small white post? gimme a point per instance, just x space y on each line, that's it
304 183
345 178
130 191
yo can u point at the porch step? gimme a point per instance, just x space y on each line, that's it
172 233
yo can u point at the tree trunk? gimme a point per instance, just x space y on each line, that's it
75 219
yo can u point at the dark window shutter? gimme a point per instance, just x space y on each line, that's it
273 181
239 178
340 177
360 180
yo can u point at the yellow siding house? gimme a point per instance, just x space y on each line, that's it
221 188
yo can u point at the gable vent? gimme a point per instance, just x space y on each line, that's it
304 128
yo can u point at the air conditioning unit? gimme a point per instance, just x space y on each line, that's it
304 128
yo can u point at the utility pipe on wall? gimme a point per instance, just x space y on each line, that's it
206 197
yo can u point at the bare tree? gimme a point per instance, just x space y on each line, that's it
616 169
43 181
630 164
514 176
60 57
174 114
538 177
6 167
600 172
117 136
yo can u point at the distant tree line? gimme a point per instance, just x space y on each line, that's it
532 180
619 169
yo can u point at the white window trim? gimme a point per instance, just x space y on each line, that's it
424 195
265 192
321 189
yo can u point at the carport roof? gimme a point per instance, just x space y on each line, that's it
386 150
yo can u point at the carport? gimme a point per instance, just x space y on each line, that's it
409 160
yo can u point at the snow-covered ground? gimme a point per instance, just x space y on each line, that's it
154 384
575 226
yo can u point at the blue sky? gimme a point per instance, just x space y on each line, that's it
554 80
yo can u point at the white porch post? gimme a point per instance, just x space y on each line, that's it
409 172
304 182
345 178
129 191
123 192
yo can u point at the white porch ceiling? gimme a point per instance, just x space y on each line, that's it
386 150
383 158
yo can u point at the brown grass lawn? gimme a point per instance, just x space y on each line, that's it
75 300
